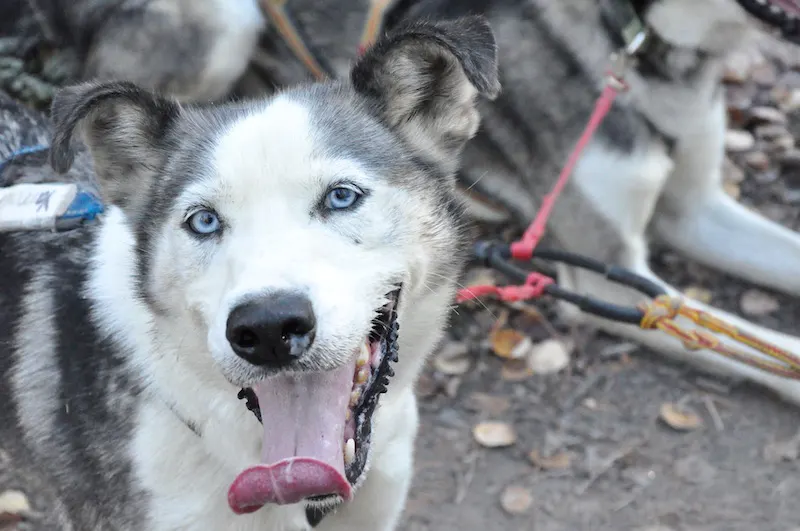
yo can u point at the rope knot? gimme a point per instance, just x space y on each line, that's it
663 308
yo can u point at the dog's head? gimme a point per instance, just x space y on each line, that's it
296 233
717 25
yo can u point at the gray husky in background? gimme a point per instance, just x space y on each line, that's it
652 173
299 252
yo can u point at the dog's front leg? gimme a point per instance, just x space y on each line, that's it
596 286
697 218
379 502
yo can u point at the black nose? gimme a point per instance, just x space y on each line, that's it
273 330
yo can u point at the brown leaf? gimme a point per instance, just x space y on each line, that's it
494 434
503 341
516 499
678 418
557 461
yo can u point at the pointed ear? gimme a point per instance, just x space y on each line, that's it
425 78
124 127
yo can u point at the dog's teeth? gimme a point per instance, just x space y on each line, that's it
347 416
354 396
363 355
349 451
362 376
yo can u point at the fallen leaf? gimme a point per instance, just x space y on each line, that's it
679 418
490 404
548 357
515 371
494 434
557 461
516 499
503 341
756 302
698 294
453 359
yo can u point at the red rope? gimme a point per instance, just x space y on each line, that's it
523 248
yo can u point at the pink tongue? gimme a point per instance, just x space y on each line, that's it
302 452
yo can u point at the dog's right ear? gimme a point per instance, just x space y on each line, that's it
424 79
124 127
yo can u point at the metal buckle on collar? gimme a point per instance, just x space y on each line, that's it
636 35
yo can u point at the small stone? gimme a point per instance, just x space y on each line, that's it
516 499
757 160
549 357
757 303
769 115
737 140
494 434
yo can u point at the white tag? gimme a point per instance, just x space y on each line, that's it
34 206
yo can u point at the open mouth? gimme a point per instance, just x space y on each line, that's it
317 439
781 14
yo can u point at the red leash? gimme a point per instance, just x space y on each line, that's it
523 248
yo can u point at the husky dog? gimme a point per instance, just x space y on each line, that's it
651 174
299 252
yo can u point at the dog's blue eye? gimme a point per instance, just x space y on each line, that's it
341 198
204 222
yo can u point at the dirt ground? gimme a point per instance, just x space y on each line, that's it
606 460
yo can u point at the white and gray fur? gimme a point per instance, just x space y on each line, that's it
120 396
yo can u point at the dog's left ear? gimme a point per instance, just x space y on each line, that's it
425 78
